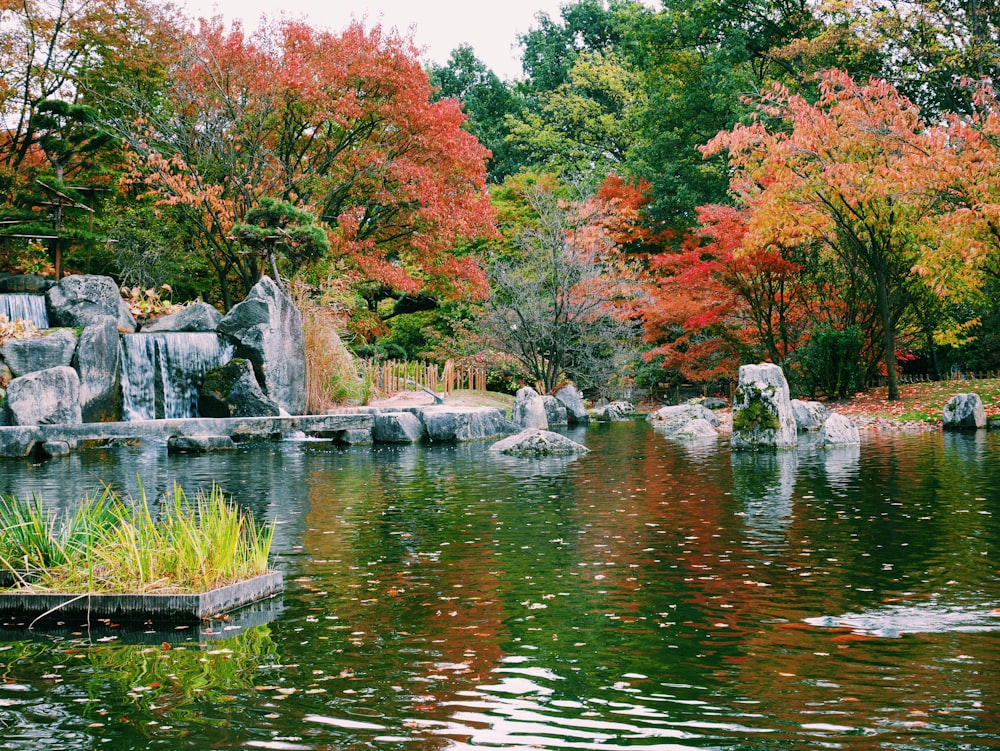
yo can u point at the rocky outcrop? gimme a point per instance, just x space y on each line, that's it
619 411
451 424
231 390
266 329
25 356
98 363
82 300
762 410
572 399
555 412
838 430
533 442
529 409
45 397
397 427
198 316
964 412
809 416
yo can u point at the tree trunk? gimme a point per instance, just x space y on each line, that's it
889 335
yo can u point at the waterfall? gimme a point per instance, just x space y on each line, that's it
26 308
162 373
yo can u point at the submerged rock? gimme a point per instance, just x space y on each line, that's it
534 442
964 412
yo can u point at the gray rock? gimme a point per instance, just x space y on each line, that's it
231 390
354 437
19 442
696 429
809 416
533 442
82 300
98 363
199 444
572 399
838 430
46 397
397 427
672 419
619 411
446 424
198 316
267 330
555 412
25 356
713 402
55 448
16 284
529 409
964 412
762 410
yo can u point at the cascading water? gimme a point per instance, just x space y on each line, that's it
162 373
25 308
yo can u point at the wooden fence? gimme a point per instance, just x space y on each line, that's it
392 376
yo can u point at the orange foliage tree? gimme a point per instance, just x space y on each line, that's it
340 124
851 175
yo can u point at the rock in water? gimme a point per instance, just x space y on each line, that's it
534 442
838 430
266 329
762 410
964 412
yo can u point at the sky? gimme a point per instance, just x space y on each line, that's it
438 26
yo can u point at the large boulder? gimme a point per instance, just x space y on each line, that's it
533 442
98 363
231 390
809 416
445 424
619 411
697 429
198 316
266 329
762 410
838 430
45 397
964 412
529 409
555 412
397 427
25 356
81 300
572 399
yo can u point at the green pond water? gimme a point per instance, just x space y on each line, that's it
648 595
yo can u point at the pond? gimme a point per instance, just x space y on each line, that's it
647 595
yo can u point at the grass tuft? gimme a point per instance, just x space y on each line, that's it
110 546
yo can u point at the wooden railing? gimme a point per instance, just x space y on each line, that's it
393 376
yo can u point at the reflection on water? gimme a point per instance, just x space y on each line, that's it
644 595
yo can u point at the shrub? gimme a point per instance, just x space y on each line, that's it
830 362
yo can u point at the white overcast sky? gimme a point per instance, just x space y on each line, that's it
438 26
